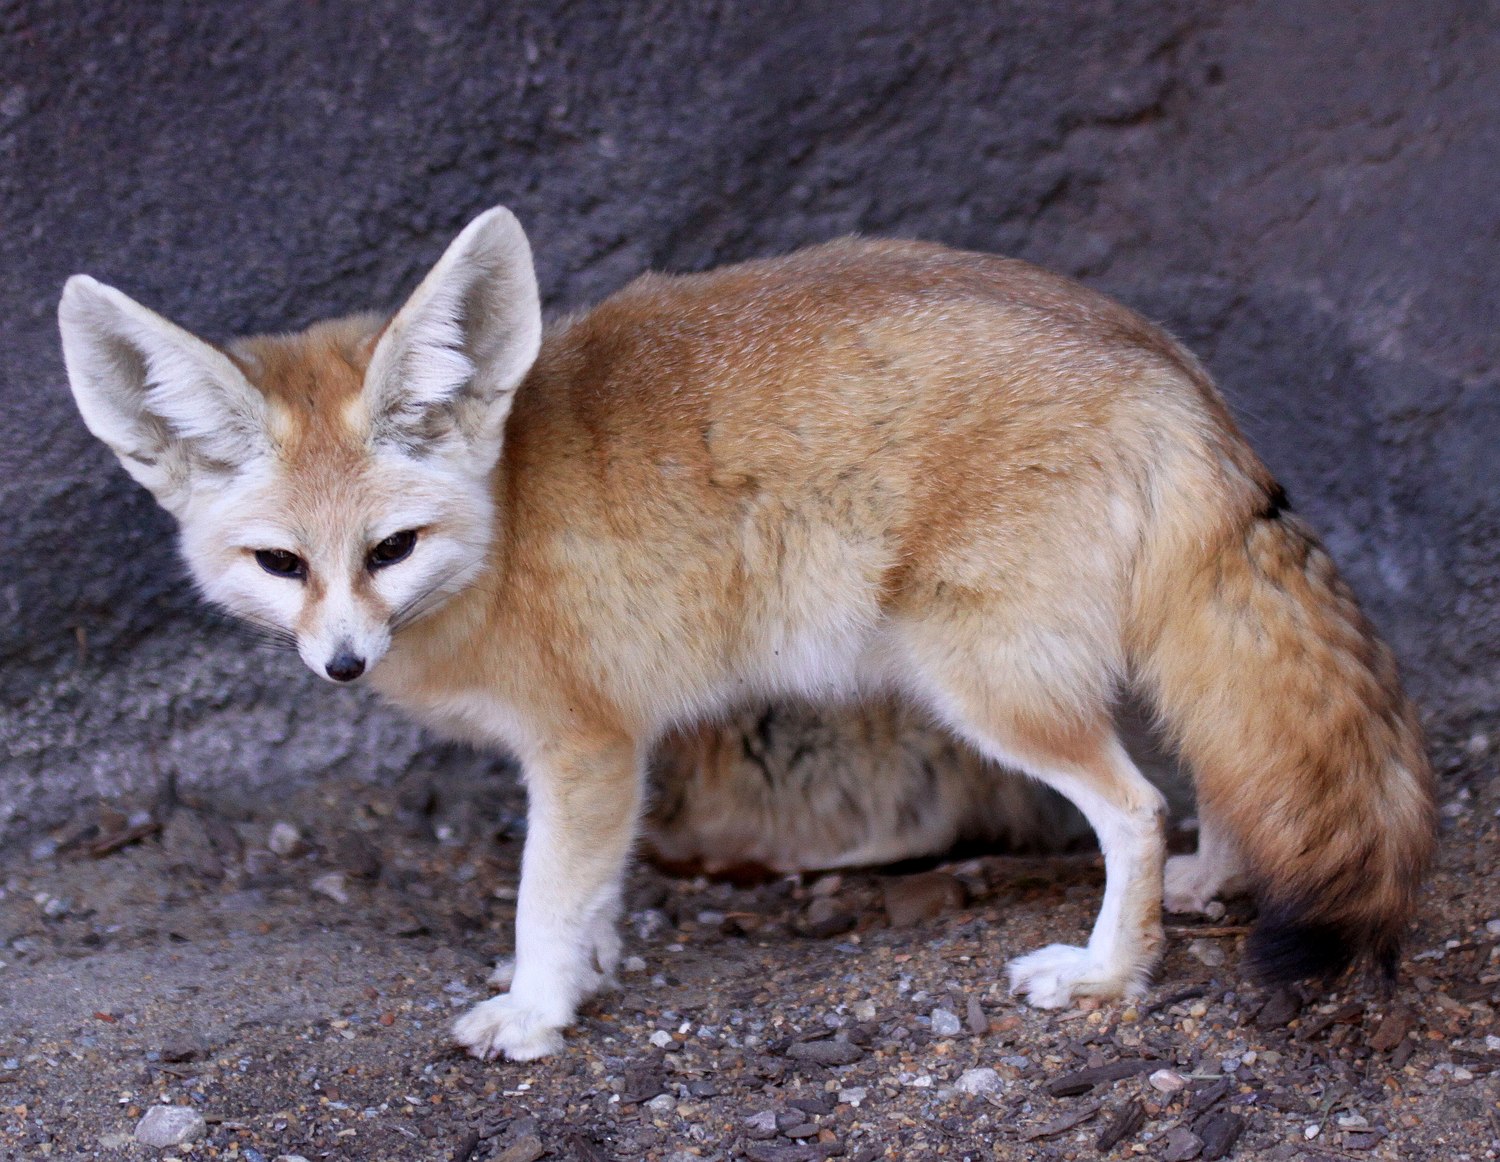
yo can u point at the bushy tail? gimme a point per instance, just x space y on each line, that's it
1288 708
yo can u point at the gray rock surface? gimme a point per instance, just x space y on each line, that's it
1306 194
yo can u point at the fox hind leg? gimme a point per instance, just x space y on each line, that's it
1128 815
1194 882
1038 723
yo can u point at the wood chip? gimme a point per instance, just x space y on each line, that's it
642 1084
1279 1010
1349 1014
1205 1097
1392 1029
1073 1084
826 1052
1128 1119
1219 1132
585 1149
1063 1124
109 844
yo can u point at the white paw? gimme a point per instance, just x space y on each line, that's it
502 1025
1191 884
1051 977
505 972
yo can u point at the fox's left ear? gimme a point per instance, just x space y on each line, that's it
449 363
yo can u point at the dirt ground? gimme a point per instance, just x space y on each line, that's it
293 986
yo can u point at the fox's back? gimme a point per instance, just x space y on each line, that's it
782 454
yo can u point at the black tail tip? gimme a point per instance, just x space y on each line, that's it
1285 947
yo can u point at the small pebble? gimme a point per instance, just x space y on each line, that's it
1207 952
284 840
1181 1145
853 1095
632 964
1167 1081
661 1038
662 1103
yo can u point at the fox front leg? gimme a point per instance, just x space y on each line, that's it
583 801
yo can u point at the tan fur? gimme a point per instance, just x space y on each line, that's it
796 787
866 468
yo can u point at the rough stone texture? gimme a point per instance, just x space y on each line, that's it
1304 194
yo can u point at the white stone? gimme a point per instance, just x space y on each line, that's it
164 1126
1167 1081
849 1097
981 1080
333 885
284 840
661 1038
946 1024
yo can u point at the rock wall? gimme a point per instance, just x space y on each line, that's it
1306 195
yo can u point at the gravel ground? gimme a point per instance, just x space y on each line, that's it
287 981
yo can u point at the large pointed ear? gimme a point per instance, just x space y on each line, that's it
448 365
170 406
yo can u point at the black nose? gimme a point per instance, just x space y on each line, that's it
345 667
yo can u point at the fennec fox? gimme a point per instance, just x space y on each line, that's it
791 787
868 466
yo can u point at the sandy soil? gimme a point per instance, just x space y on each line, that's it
298 1002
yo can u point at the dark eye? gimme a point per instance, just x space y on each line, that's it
396 547
280 563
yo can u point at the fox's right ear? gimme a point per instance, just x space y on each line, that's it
169 405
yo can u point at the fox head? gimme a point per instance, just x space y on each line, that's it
331 486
